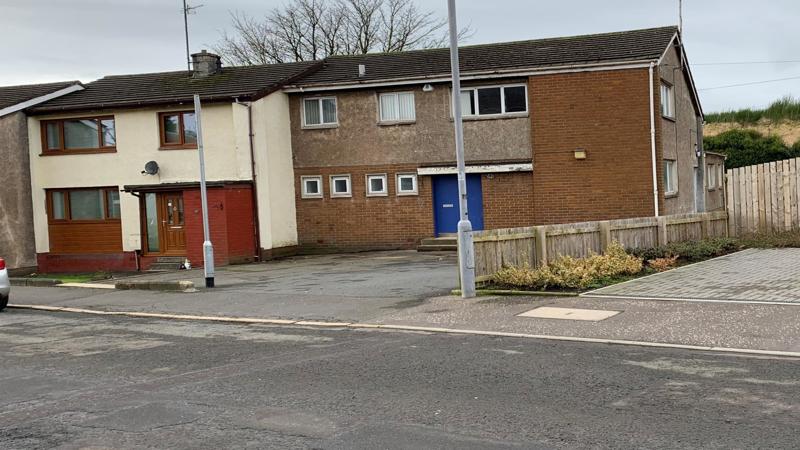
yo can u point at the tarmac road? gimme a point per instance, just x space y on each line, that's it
78 381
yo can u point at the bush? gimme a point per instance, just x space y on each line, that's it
748 147
572 273
662 264
690 251
771 240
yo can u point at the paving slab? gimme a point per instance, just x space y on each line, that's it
753 275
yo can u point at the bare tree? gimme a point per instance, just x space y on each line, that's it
305 30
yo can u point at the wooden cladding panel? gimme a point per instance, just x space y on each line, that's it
88 237
764 197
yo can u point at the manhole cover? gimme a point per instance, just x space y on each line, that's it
550 312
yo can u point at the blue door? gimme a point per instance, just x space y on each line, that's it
445 203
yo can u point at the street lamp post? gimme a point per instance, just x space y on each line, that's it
466 255
208 249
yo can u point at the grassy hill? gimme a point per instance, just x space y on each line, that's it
785 109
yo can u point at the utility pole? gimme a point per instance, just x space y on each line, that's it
208 249
680 17
466 255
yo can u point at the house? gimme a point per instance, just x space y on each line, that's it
115 171
357 152
16 211
557 130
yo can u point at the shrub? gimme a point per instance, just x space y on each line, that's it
572 273
771 240
663 264
690 251
748 147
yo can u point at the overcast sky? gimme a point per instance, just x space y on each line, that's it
51 40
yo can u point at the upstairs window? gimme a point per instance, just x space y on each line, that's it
178 129
494 100
88 135
340 186
397 107
667 100
319 112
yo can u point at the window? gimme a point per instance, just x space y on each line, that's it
178 130
711 173
376 185
340 186
397 107
319 112
97 204
720 176
85 135
407 184
312 186
494 100
670 177
667 100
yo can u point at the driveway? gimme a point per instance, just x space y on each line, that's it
352 287
752 276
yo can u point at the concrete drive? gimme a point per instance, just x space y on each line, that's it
747 276
83 382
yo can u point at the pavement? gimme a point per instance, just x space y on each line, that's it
754 275
77 381
408 290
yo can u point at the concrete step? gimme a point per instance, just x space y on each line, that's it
166 264
438 244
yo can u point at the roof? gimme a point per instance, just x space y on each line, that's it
11 96
242 82
626 46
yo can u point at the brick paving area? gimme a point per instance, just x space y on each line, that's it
748 276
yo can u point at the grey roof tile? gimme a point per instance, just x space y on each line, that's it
13 95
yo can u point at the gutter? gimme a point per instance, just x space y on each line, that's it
256 223
653 138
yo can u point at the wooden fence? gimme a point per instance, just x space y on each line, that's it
535 245
764 197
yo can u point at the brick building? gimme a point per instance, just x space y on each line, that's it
357 152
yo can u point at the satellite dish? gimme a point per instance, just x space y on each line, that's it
151 168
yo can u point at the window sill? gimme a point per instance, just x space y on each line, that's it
670 118
397 123
320 127
670 194
342 196
178 147
311 197
407 194
494 117
78 152
385 194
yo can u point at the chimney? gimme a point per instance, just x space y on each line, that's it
205 64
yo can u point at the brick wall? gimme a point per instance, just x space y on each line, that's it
110 262
362 222
230 218
607 114
507 200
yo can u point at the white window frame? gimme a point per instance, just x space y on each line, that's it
304 192
503 112
669 97
673 177
382 120
322 123
415 182
334 178
382 176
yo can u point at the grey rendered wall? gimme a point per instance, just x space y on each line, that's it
16 214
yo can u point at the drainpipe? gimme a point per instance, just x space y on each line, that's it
653 139
249 106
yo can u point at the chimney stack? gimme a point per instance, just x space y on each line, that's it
205 64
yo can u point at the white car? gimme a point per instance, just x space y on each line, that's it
5 285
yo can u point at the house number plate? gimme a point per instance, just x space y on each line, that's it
447 205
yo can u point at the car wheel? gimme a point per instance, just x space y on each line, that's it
3 302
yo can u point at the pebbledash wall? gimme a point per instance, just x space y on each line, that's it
227 153
604 113
359 145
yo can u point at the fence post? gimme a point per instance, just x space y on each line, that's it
605 235
662 230
541 245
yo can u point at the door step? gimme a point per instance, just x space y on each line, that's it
439 244
167 264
